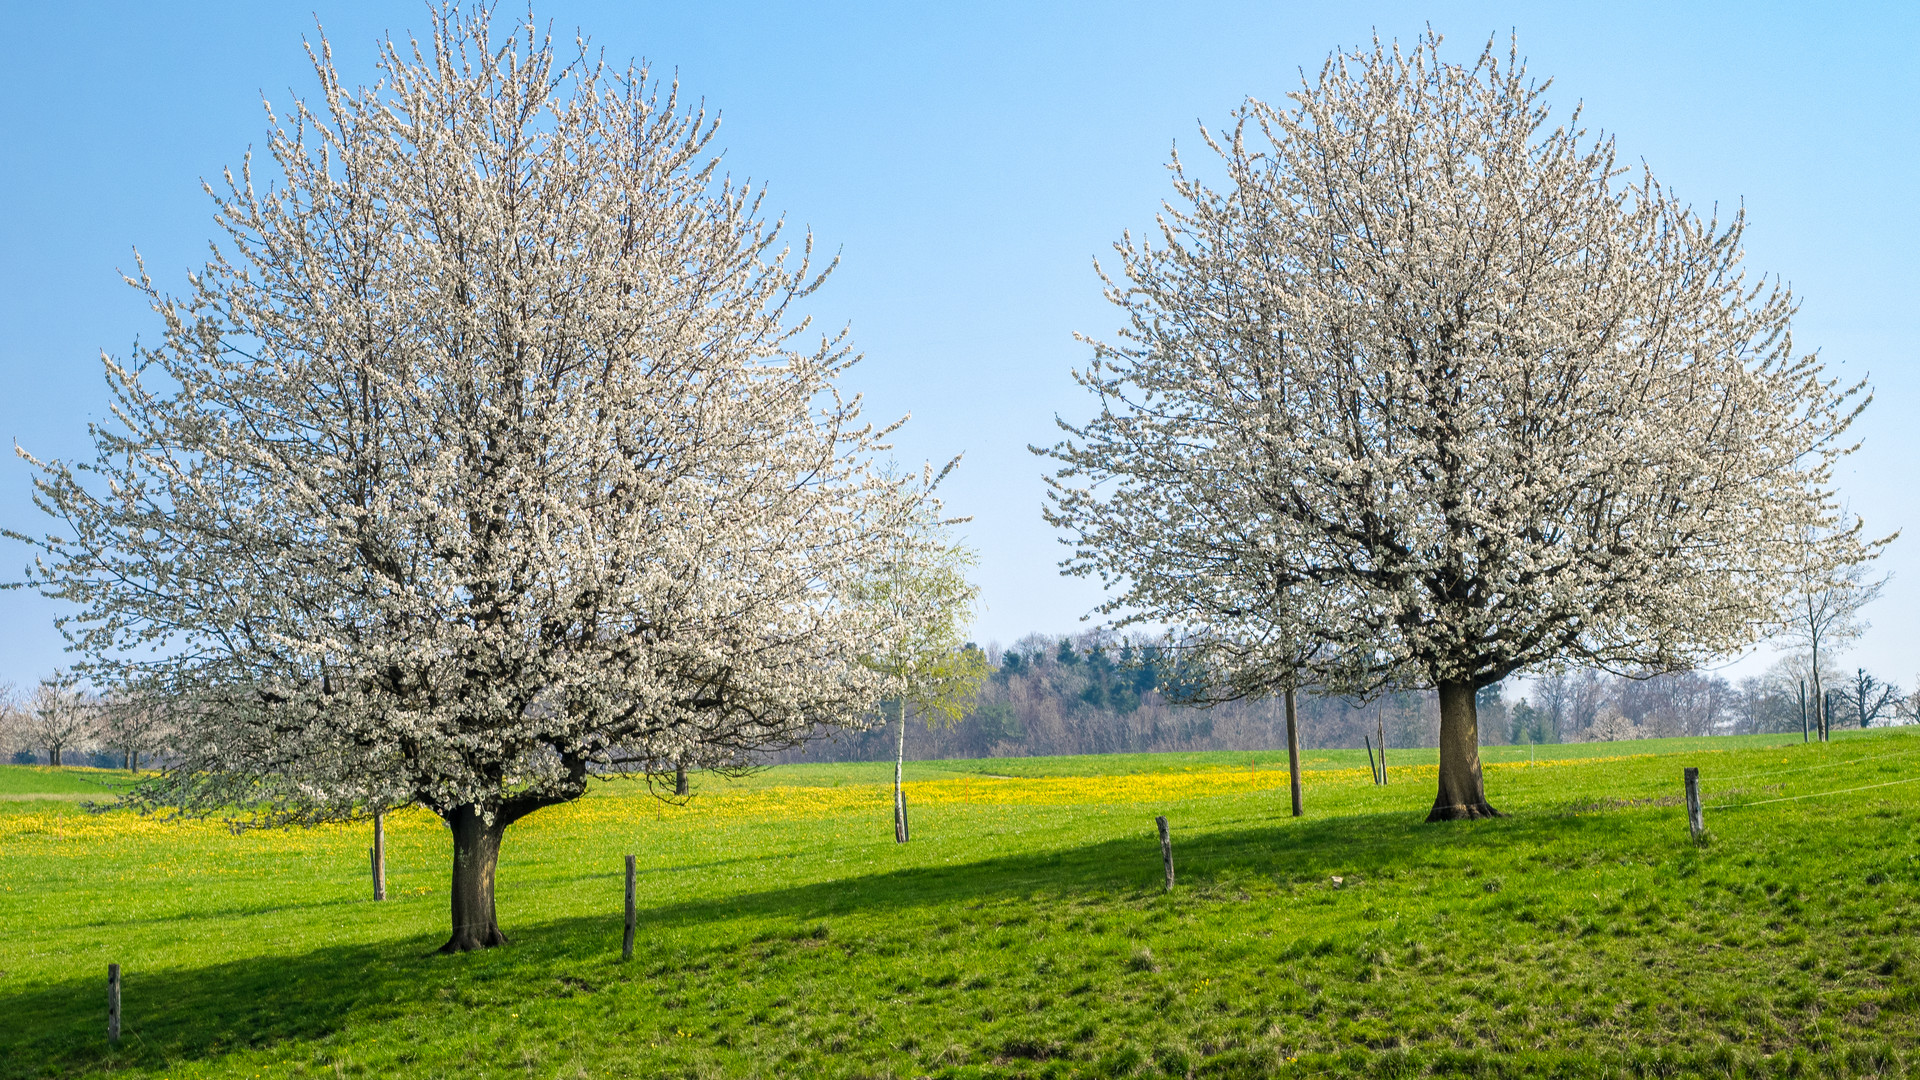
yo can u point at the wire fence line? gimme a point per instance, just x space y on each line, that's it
1719 789
1814 795
1810 768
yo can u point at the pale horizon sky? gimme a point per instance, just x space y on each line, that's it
968 162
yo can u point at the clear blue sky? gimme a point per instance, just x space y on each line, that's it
969 160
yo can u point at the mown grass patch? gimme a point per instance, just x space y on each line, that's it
1023 932
63 783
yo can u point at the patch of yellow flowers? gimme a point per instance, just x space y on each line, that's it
774 803
803 803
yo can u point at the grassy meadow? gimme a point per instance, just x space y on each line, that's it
1023 932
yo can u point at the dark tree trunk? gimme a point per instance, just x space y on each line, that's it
53 756
476 851
1293 751
1461 794
680 778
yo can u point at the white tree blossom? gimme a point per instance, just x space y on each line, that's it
133 724
60 717
1436 380
483 457
13 726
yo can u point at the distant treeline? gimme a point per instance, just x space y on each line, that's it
1095 694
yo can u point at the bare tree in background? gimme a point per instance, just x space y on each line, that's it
1870 699
1428 362
1553 693
1823 615
1906 710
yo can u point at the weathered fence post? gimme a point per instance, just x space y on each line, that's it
1803 712
379 856
902 830
1371 767
1381 722
1293 752
1696 818
113 1002
626 940
1166 849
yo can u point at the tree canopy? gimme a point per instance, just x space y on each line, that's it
1433 385
487 455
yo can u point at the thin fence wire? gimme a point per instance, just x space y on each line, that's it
1810 768
1815 795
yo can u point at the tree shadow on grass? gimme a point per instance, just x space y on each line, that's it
286 1002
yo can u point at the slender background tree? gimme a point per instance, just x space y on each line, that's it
1441 362
1240 648
485 457
929 670
1823 614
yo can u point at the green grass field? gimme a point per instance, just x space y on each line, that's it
1023 932
38 782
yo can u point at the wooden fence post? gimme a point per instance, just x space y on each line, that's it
1382 724
113 1002
1696 818
1166 849
1803 712
379 856
626 941
1293 752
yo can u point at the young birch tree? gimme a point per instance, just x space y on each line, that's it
1870 699
928 669
1440 364
485 456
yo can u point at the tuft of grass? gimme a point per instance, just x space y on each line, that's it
1023 933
